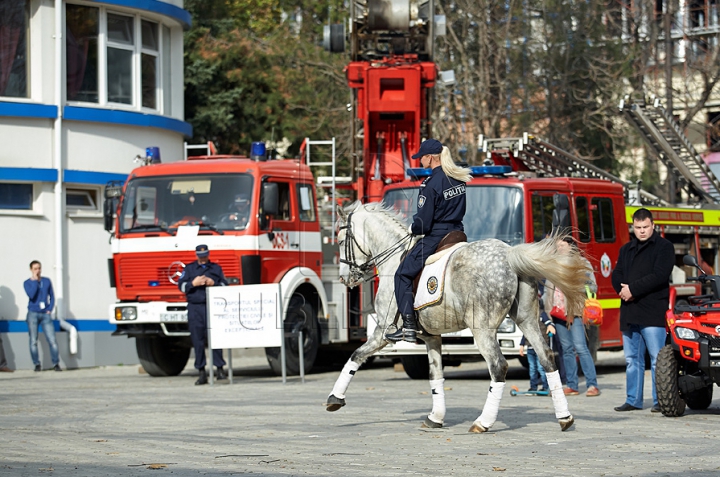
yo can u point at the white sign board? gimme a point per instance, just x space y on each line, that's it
245 316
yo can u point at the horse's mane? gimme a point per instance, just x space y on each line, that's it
380 207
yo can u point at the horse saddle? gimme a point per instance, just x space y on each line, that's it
433 274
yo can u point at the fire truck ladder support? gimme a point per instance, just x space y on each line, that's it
542 157
668 143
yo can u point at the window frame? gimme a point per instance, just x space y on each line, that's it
28 60
163 66
92 192
35 209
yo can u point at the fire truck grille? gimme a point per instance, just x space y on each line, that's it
153 273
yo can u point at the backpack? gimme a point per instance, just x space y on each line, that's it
593 312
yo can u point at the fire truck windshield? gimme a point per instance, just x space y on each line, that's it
492 211
215 202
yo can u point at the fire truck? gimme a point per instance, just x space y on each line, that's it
164 210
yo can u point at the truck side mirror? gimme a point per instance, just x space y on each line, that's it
107 214
270 203
561 214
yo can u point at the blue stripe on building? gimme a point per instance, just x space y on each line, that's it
81 325
29 174
114 116
89 177
155 6
28 110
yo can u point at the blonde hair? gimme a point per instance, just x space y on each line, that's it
451 169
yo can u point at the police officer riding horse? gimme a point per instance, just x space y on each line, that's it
440 210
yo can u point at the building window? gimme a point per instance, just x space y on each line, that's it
85 199
117 58
81 47
14 62
16 196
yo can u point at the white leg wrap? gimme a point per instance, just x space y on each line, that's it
558 396
343 381
438 396
492 405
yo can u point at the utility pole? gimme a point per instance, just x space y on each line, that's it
669 80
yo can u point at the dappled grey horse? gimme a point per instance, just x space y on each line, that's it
484 281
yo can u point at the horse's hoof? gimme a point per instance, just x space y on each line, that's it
566 422
477 428
333 403
429 424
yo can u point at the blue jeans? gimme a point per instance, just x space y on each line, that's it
34 321
574 343
537 373
635 341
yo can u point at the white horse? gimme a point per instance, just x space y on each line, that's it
484 281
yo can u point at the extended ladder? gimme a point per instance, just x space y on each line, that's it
669 144
549 160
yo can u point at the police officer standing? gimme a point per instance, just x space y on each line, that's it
440 210
195 278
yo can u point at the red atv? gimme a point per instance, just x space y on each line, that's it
688 366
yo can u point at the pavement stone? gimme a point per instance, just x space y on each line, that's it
111 421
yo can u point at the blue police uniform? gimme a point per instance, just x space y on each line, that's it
197 308
441 208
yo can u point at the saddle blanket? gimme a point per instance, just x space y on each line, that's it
432 278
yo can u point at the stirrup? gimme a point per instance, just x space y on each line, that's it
405 334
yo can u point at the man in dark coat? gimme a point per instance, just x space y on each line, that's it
642 279
196 277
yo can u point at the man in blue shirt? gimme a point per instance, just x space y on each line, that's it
195 279
441 208
41 302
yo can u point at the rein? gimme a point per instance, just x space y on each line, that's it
367 270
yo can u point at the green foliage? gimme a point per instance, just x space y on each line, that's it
249 76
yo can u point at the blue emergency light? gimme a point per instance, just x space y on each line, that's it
492 170
419 172
257 151
152 154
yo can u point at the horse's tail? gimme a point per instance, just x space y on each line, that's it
567 270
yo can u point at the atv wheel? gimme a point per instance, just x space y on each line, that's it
701 399
666 383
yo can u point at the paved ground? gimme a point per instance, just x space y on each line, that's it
116 421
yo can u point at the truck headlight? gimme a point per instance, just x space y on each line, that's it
507 326
686 334
125 313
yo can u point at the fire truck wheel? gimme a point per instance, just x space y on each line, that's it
700 399
416 366
666 381
300 316
162 356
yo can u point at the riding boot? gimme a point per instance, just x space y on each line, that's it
408 332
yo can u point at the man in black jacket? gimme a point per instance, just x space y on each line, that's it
196 277
642 279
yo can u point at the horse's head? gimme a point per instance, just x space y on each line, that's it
355 259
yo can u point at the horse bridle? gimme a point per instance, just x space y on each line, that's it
364 271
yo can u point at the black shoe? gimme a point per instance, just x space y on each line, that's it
202 379
627 407
532 390
408 332
655 408
57 367
37 368
220 373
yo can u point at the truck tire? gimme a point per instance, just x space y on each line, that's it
416 366
300 316
666 382
162 356
701 399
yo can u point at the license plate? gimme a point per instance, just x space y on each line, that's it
170 317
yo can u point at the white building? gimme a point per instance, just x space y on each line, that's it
85 87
